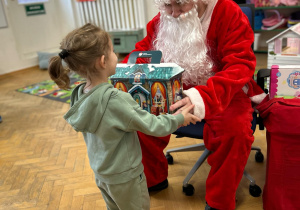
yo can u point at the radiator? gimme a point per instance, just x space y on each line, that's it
112 15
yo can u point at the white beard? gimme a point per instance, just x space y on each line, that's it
182 41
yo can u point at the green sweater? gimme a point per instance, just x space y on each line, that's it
109 119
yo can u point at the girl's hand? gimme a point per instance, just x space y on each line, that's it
188 117
182 104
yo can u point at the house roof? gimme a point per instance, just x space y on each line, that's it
163 71
295 29
138 87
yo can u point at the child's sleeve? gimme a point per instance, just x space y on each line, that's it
150 124
138 119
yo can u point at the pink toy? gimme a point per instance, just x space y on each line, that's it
285 81
273 20
289 2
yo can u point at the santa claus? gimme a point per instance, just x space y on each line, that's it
211 40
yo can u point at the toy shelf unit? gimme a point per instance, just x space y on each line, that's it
284 48
276 19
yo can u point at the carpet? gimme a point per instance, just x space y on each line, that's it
48 89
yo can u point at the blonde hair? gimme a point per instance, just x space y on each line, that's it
80 49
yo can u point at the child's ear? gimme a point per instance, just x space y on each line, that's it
101 61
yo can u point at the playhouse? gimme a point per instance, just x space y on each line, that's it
284 48
154 86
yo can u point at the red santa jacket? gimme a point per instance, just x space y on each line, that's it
229 38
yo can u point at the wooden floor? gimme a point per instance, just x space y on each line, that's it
44 165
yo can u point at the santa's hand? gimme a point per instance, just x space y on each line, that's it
182 104
188 117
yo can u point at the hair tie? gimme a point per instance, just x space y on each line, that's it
63 54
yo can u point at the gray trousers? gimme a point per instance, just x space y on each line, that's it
132 195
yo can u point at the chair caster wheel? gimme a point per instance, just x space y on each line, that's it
169 159
254 190
188 190
259 157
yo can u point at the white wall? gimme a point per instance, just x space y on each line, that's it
25 35
151 9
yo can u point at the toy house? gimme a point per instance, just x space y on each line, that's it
284 48
154 86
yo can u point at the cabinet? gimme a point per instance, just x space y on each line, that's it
261 36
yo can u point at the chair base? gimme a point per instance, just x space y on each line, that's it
188 189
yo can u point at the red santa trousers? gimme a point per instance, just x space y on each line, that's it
229 136
154 160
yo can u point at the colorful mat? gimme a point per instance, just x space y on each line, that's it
50 90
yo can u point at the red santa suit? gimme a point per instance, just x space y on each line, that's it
224 102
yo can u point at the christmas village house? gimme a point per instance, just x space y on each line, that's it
153 86
284 48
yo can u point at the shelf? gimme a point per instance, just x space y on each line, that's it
285 11
261 50
276 29
279 7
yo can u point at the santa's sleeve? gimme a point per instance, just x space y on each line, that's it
234 62
146 43
254 92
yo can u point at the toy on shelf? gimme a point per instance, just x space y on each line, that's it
288 2
273 19
273 3
155 86
259 16
284 48
261 3
294 19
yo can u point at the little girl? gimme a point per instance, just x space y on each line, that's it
109 118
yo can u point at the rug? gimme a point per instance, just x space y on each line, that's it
50 90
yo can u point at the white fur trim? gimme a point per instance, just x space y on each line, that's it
257 99
196 99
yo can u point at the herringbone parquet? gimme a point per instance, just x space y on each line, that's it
44 165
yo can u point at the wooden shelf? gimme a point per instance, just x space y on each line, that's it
276 29
261 50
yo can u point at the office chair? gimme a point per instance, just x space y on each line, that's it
262 75
196 131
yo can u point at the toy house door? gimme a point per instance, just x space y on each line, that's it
141 96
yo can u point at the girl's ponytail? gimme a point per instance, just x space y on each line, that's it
58 73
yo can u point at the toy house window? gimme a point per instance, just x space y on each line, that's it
290 46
